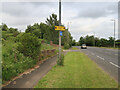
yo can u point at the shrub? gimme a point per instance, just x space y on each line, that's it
66 46
10 68
29 45
18 37
60 60
15 33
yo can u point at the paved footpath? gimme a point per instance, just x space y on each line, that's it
30 80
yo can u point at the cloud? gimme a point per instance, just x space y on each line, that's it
22 9
96 10
16 14
85 17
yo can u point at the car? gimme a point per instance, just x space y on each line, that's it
83 46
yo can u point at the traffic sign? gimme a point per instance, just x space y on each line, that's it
60 33
61 28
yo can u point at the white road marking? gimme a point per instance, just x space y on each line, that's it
100 57
116 54
114 64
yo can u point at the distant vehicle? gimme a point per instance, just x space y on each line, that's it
83 46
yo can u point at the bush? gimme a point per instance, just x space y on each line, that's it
18 37
15 33
10 68
29 45
66 46
60 61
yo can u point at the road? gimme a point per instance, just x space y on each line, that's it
107 59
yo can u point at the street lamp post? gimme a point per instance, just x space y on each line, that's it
68 30
68 25
114 31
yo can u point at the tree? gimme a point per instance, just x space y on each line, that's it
73 43
29 45
52 21
37 33
97 42
35 29
89 40
81 41
111 41
4 27
52 35
47 31
43 28
29 29
103 42
117 43
12 30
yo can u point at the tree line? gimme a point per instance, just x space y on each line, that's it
45 31
95 41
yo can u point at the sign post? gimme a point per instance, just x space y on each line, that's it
59 31
60 28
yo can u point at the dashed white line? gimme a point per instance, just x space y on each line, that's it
100 57
114 64
116 54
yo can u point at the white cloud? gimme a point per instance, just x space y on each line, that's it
86 18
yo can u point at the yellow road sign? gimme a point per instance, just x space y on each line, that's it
61 28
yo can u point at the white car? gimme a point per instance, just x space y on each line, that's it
83 46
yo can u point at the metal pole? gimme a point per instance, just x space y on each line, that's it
59 31
114 33
68 25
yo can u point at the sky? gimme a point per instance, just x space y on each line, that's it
84 18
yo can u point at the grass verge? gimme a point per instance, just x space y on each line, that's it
78 72
74 48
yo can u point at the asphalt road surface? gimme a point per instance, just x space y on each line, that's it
107 59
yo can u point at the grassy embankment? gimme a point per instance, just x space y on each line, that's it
13 62
78 72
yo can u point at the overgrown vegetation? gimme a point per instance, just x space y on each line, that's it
45 46
29 45
60 61
22 50
13 62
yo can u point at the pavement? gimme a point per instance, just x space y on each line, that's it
31 79
107 59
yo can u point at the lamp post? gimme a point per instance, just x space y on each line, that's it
68 30
68 25
114 30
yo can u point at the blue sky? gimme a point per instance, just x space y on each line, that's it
84 18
